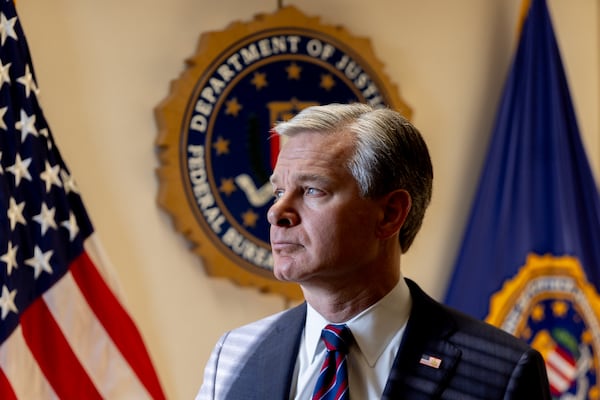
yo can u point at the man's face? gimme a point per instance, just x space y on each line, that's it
322 230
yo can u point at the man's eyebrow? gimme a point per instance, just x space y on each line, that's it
304 178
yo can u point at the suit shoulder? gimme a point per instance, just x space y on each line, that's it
475 333
460 328
256 328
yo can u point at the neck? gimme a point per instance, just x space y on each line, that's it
339 305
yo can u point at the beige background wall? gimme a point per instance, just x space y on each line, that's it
104 65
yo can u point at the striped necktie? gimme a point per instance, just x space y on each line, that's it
332 383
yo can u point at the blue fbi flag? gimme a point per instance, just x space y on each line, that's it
530 257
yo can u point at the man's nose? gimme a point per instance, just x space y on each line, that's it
283 213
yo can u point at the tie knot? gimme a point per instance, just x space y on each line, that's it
337 338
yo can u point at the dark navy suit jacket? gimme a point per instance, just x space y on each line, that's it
478 361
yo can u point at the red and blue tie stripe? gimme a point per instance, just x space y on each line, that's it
332 383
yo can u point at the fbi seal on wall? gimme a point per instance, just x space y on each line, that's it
551 305
214 145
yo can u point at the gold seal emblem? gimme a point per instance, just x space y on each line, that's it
214 144
551 305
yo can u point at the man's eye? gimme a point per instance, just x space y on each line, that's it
277 194
311 191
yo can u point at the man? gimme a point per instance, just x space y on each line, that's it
351 187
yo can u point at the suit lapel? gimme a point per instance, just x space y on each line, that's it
268 371
426 359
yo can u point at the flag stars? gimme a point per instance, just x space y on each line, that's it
3 111
4 76
44 132
46 218
26 125
20 169
15 213
10 258
28 81
71 226
68 182
7 301
40 262
7 28
50 176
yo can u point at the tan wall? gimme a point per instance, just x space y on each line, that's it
104 65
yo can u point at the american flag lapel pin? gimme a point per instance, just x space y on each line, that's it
430 361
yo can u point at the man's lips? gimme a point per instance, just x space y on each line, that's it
282 245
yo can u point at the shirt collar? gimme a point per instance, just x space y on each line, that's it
372 329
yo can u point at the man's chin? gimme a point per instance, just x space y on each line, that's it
284 271
281 275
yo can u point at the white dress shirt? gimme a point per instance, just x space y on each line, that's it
377 334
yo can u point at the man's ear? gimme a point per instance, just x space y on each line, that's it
395 206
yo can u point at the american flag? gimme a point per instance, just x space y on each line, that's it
430 361
63 330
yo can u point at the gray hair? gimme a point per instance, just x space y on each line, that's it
390 153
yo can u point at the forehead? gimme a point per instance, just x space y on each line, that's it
314 153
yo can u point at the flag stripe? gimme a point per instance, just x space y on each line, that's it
100 260
116 321
72 313
40 328
21 369
6 390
